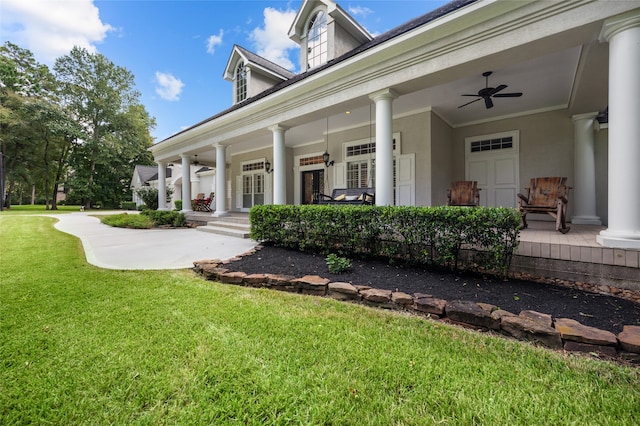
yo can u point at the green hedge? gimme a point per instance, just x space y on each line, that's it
128 205
459 238
166 217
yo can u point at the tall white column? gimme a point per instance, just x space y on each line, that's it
584 181
279 165
186 183
162 185
623 35
384 146
221 179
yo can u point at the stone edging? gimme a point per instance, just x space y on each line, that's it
532 326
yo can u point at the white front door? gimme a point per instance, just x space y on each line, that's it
493 161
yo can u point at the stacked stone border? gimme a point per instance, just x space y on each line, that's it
535 327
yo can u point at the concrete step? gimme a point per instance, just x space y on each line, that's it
223 227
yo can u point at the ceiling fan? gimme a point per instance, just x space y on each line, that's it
488 92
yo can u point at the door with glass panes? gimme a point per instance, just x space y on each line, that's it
312 185
253 190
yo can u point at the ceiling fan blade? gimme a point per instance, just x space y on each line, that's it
475 100
471 95
508 95
488 102
498 89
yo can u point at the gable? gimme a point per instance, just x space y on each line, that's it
257 63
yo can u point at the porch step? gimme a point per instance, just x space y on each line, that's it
229 226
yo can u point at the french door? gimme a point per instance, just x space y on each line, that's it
312 185
253 190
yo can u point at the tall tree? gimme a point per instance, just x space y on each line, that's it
115 126
22 80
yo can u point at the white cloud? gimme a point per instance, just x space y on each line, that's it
272 40
168 87
50 28
359 10
214 41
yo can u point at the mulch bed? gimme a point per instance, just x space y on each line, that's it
602 311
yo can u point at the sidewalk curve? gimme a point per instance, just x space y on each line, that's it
121 248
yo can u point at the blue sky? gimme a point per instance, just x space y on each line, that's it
178 50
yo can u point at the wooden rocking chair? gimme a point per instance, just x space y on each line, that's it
203 204
546 195
464 193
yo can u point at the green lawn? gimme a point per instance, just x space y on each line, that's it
83 345
37 209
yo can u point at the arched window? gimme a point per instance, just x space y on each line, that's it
317 40
241 82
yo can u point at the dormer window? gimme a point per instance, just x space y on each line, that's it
241 82
317 40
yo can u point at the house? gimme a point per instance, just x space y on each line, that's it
141 177
487 90
201 180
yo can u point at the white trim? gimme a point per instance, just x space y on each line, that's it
505 117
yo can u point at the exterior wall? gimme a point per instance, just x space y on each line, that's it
258 83
546 145
343 42
415 131
442 160
602 174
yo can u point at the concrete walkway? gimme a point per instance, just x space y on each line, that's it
120 248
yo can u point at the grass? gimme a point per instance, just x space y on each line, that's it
83 345
37 209
124 220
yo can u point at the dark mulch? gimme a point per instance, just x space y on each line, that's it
605 312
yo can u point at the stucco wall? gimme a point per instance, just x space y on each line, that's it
259 83
442 159
546 144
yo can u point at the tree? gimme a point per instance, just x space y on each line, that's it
114 125
22 80
149 196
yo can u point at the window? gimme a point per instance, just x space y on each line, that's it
492 144
317 40
309 161
241 82
361 174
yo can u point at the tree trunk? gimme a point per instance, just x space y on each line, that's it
7 200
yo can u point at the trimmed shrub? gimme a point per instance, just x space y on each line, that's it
178 204
459 238
124 220
166 217
128 205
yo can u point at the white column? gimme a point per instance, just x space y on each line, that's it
623 35
221 179
584 181
186 183
279 165
162 185
384 146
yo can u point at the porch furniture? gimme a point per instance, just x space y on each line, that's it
546 195
348 196
464 193
196 200
203 204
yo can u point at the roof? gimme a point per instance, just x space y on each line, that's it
145 173
402 29
265 63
